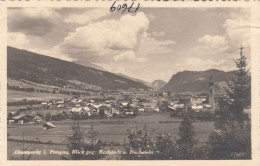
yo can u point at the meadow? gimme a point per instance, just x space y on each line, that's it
13 95
107 130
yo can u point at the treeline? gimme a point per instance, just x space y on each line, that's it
27 89
20 88
233 142
84 116
202 116
76 93
24 102
55 90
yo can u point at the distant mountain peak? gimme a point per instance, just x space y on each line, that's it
197 81
157 84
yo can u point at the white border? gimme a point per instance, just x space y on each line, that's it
255 38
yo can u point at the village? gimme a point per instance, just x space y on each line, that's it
118 104
106 116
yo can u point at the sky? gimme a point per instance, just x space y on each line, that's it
152 44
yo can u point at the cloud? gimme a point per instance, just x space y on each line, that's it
137 42
212 49
31 21
115 39
18 40
128 55
158 34
202 64
149 45
215 42
109 34
237 28
237 31
87 16
86 35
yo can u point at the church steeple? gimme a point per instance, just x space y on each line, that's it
211 92
211 82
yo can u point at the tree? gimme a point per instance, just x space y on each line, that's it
48 117
76 142
139 141
54 90
186 142
163 105
10 116
223 115
239 88
166 147
24 146
231 142
102 113
232 138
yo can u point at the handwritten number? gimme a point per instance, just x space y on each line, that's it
137 7
124 6
113 8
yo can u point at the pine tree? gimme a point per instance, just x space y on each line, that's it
186 142
232 137
239 88
76 142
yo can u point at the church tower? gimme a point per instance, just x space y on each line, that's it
211 93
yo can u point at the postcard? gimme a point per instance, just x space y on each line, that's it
130 82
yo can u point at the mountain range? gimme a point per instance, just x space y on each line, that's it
26 65
198 81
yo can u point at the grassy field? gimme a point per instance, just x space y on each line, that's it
29 84
42 111
107 130
13 95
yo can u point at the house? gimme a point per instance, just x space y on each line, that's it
87 110
129 112
60 102
78 110
80 101
197 108
11 122
48 125
44 104
105 109
23 108
156 109
124 104
50 105
21 118
36 117
94 142
141 109
207 106
135 101
115 111
148 109
74 101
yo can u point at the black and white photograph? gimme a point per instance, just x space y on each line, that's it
153 83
